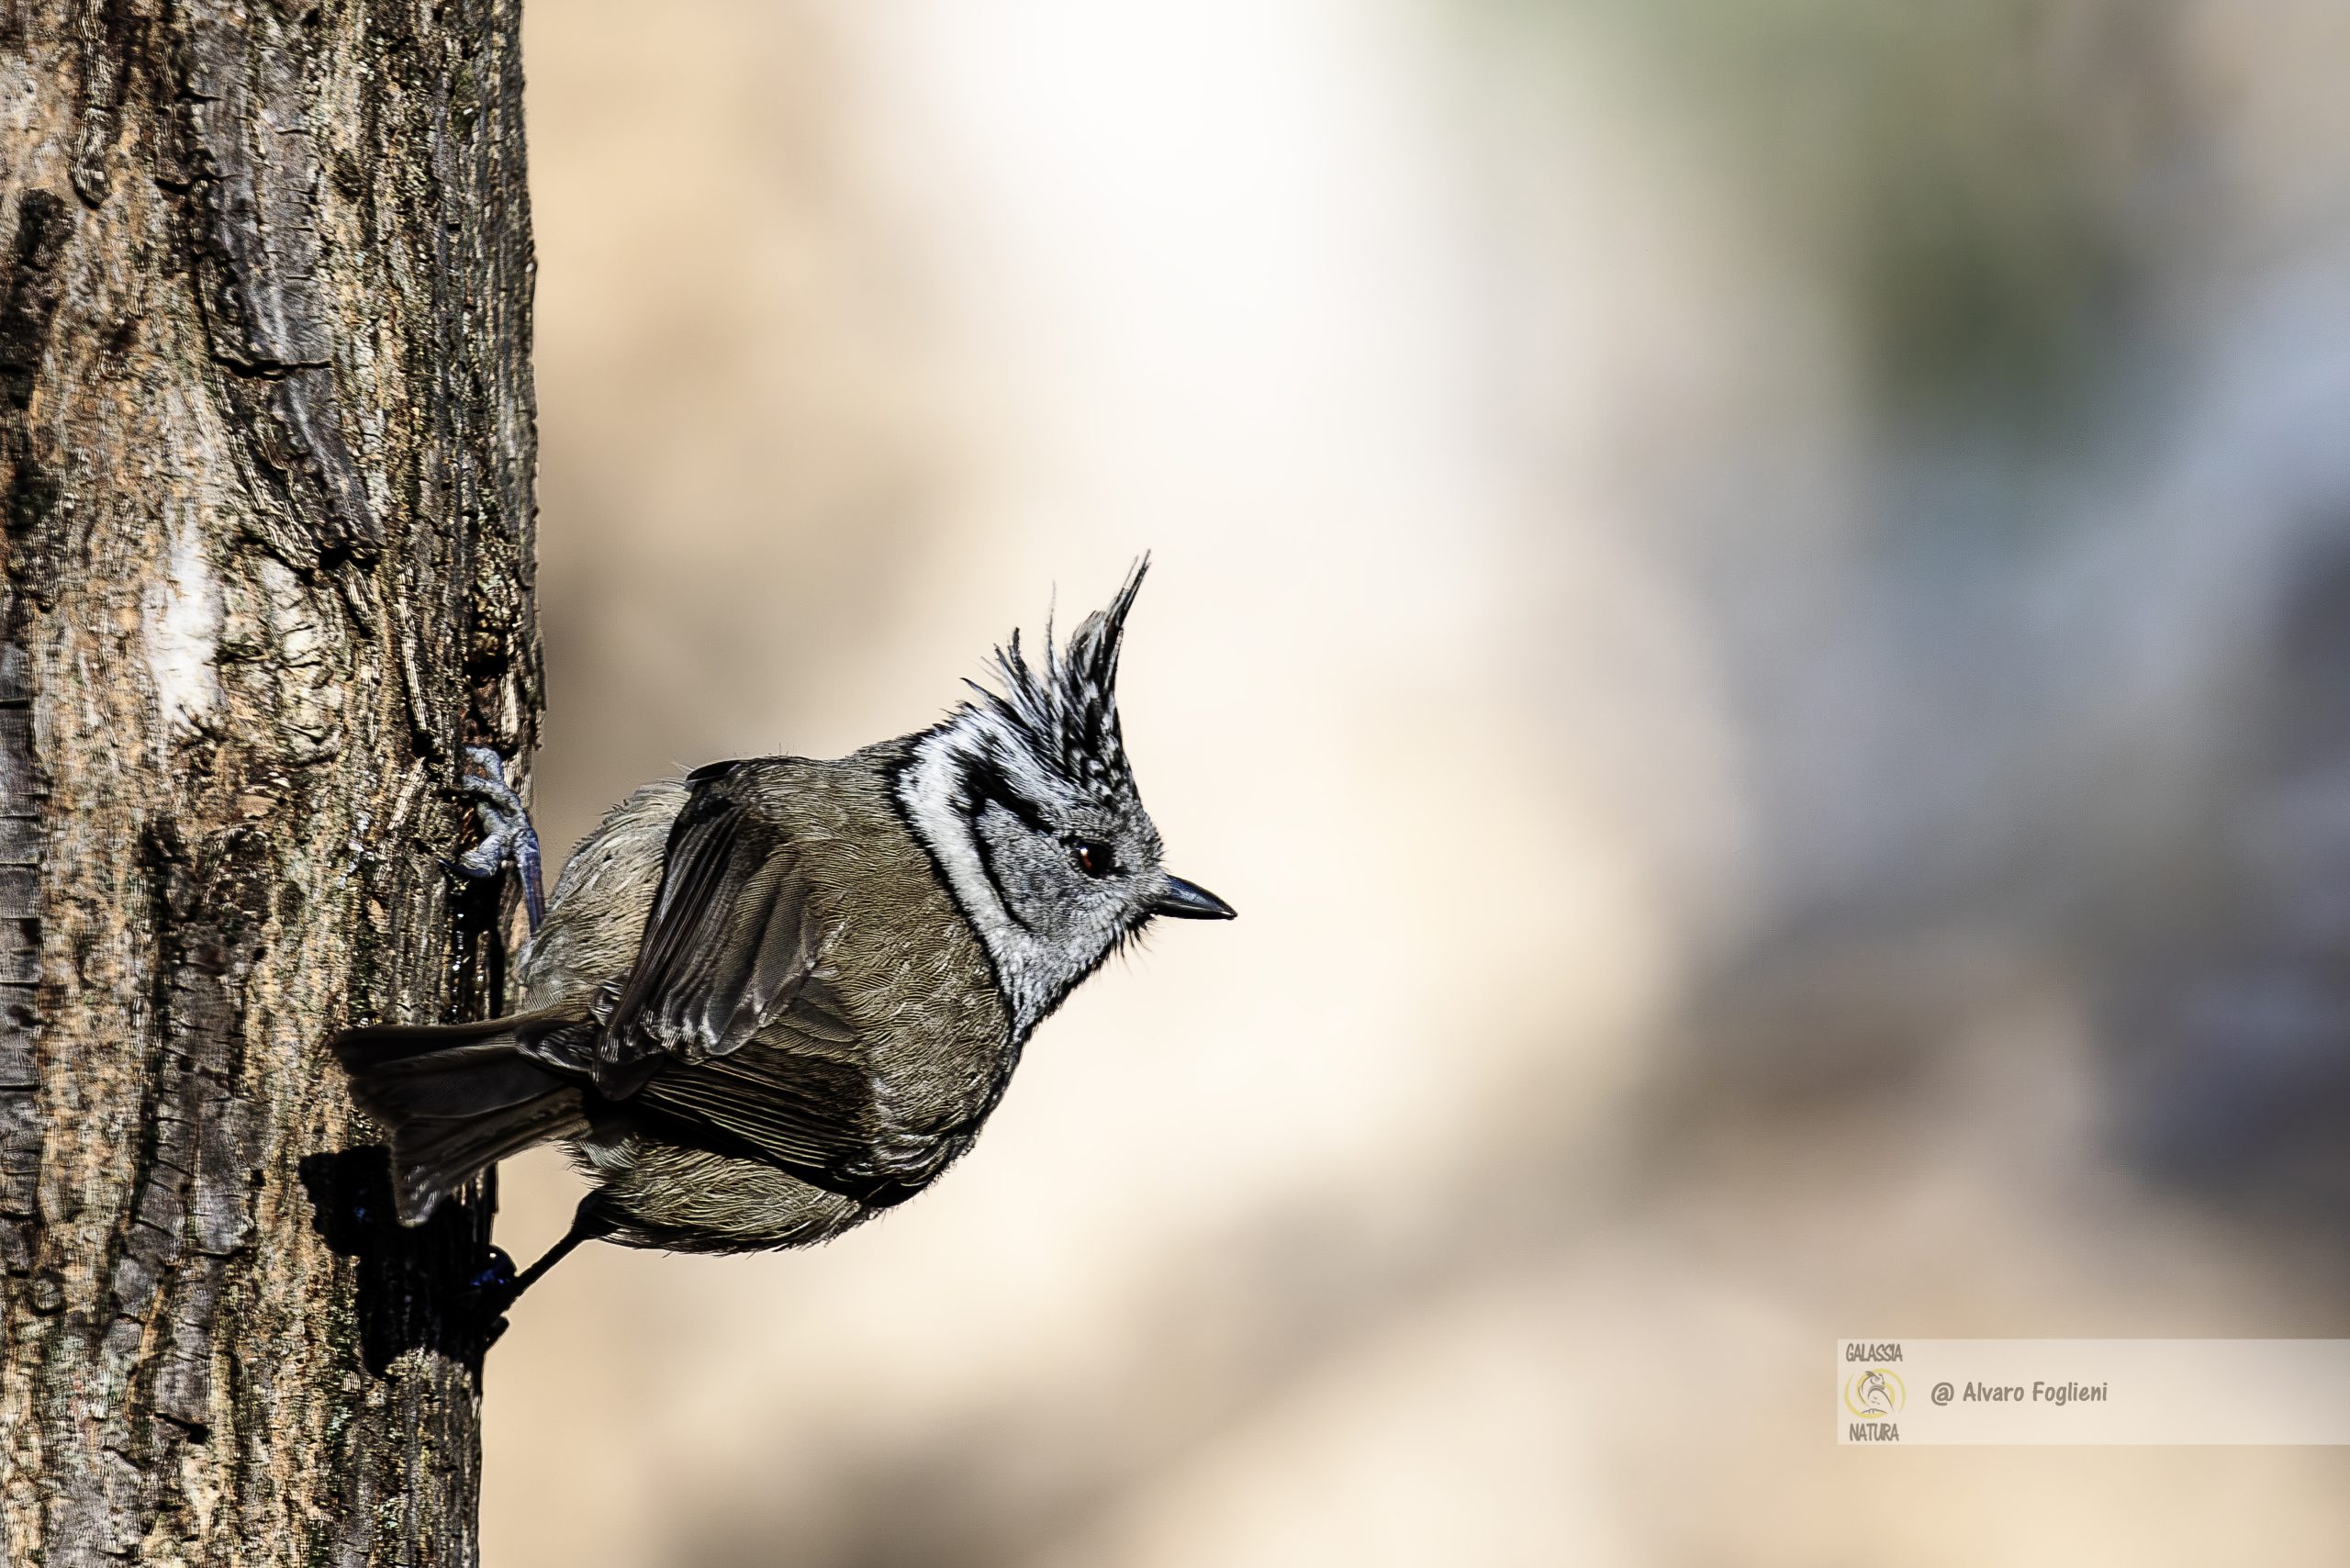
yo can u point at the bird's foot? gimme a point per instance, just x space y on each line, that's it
493 1283
507 836
491 1290
496 1286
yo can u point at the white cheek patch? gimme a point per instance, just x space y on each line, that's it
932 791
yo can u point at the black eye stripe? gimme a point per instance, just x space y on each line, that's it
987 783
984 781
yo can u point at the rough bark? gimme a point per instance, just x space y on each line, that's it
265 453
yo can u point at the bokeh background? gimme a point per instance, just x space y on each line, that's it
1752 602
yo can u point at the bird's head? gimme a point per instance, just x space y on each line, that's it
1025 800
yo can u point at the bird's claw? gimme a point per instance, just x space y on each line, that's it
492 1289
507 836
496 1274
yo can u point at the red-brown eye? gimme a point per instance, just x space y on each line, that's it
1092 859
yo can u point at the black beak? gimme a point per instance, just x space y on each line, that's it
1189 900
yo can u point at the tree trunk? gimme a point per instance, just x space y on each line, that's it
266 448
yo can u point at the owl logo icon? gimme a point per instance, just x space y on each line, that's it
1875 1394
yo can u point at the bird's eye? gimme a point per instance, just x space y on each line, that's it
1091 857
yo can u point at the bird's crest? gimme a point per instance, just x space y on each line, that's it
1065 711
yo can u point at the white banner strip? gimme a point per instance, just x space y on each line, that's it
2140 1392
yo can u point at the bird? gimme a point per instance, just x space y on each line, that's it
775 998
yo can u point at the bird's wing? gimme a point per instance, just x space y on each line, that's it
730 948
731 1021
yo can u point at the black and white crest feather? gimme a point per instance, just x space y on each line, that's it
1066 714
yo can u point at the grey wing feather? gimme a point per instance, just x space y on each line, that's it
729 949
809 1113
716 1022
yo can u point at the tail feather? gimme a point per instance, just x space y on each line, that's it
361 1048
431 1160
465 1081
457 1099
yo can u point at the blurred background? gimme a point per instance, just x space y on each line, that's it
1752 602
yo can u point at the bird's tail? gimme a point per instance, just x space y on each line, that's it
457 1099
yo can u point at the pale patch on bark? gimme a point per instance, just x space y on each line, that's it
183 622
